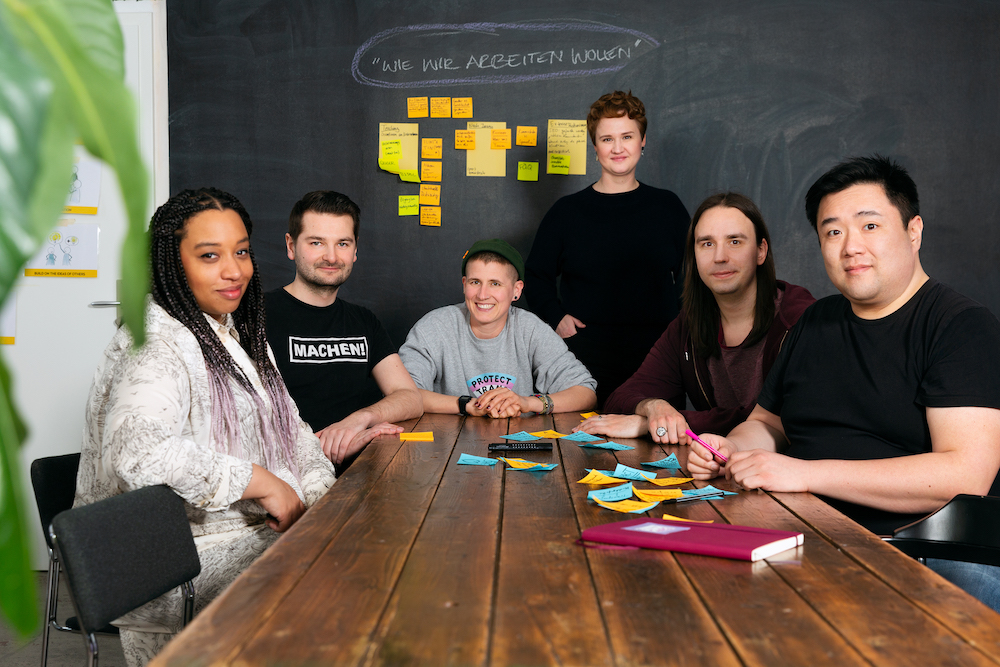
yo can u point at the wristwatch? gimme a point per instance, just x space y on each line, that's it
463 401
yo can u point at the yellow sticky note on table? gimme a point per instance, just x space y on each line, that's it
425 436
518 463
500 139
569 137
461 107
388 155
430 216
416 107
656 495
527 135
630 506
549 434
465 140
440 107
671 517
670 481
597 477
430 195
409 204
527 171
430 149
430 171
558 164
409 175
588 415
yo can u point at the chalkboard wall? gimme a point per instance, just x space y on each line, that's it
271 99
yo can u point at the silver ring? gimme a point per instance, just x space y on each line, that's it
661 431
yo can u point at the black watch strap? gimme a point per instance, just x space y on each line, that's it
463 401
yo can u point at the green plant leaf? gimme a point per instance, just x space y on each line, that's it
17 582
103 113
99 33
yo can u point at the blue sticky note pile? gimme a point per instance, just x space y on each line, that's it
626 472
582 436
707 493
669 462
470 460
522 436
606 445
613 494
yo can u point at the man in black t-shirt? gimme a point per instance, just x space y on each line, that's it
885 399
335 357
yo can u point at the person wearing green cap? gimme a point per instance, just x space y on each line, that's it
485 358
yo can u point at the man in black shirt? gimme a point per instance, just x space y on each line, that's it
885 399
335 357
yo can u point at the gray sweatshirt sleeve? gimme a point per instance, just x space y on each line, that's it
423 351
553 366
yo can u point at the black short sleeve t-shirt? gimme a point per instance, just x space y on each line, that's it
326 355
855 389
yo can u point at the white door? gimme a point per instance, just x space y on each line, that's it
59 336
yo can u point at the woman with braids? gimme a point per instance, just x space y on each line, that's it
201 408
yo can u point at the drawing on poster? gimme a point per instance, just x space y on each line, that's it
69 251
85 190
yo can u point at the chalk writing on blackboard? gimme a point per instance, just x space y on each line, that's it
450 54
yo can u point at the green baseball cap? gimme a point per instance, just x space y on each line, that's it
500 247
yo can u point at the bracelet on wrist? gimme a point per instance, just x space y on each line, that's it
547 405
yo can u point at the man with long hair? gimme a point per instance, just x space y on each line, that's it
718 351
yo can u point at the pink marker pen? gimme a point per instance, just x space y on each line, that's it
706 445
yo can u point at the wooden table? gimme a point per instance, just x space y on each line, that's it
413 560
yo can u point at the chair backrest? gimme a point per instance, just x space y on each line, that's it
53 479
122 552
966 529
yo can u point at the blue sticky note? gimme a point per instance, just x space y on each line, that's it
613 494
669 462
704 494
625 472
606 445
470 460
538 467
582 436
523 436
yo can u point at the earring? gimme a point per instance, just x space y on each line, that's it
517 297
642 152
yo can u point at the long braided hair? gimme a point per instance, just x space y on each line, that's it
172 292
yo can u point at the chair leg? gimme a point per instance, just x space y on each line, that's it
53 619
50 605
91 640
188 588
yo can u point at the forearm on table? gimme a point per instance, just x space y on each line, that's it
575 398
399 405
756 434
439 403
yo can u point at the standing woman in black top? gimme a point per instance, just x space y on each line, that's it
616 249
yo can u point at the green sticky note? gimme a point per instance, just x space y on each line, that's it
528 171
409 205
410 175
558 164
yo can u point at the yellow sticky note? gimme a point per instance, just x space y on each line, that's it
671 517
519 463
430 171
569 137
558 164
388 155
588 415
416 107
425 436
440 107
430 216
430 149
409 205
670 481
461 107
465 140
527 171
483 160
500 139
527 135
656 495
630 506
596 477
430 195
409 175
549 433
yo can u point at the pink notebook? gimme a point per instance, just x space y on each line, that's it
708 539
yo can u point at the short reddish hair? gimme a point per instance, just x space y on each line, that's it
616 105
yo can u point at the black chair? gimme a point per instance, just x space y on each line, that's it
966 529
53 479
122 552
